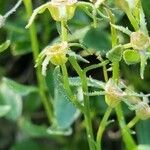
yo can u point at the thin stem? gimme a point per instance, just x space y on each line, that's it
87 115
10 12
104 68
102 127
66 79
94 12
133 122
67 87
115 68
35 49
63 30
129 142
132 20
95 66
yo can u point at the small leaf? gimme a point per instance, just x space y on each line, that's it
76 81
143 147
25 143
131 56
11 94
31 129
4 109
4 46
10 98
115 54
143 133
64 110
122 29
78 57
37 11
55 131
97 39
20 89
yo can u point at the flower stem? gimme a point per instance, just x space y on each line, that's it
87 115
133 122
35 49
84 87
67 88
63 31
102 127
129 142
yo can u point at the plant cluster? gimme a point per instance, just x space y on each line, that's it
71 96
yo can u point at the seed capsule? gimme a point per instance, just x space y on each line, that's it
139 40
62 9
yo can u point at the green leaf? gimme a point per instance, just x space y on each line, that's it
122 29
4 109
11 94
76 81
115 54
78 57
58 131
78 34
4 46
96 39
17 88
142 130
31 102
32 130
143 147
131 56
8 97
18 35
64 110
123 4
26 144
37 11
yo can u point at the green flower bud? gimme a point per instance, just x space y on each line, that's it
113 94
139 40
143 111
62 9
57 53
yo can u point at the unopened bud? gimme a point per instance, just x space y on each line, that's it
57 53
113 94
62 9
143 111
139 40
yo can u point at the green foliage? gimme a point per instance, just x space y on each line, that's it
66 116
97 39
53 111
115 55
4 109
4 46
11 95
